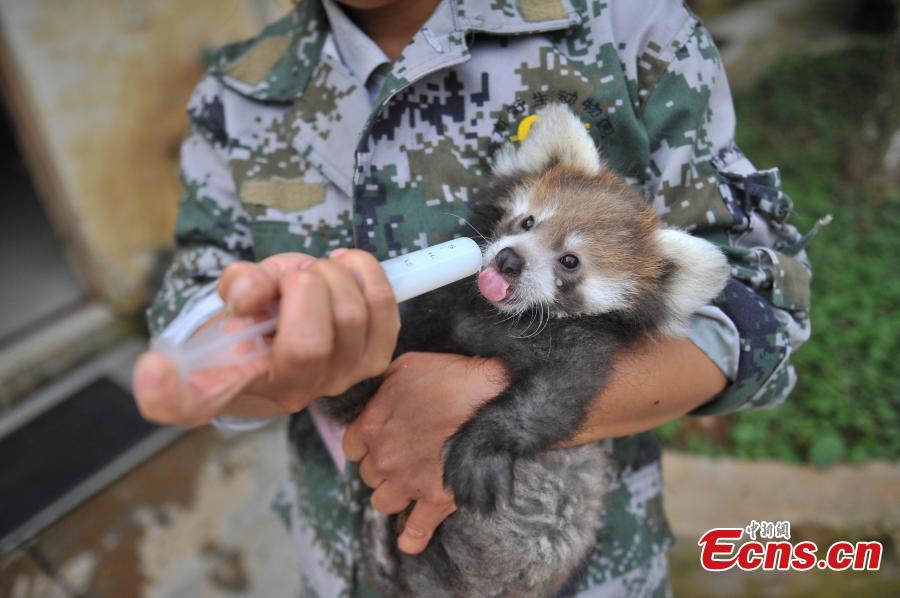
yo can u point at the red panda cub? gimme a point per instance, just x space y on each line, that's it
576 266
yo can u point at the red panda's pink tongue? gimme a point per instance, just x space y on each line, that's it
492 284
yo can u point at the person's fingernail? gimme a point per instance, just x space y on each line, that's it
338 252
409 545
239 289
414 532
307 265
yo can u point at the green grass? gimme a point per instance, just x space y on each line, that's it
803 116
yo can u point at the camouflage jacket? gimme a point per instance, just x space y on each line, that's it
292 148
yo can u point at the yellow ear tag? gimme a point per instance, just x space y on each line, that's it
524 127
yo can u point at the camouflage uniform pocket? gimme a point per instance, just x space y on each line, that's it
789 280
271 237
781 279
765 252
755 192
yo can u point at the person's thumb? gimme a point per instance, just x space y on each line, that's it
163 397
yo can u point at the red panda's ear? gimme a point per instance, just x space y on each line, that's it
701 272
557 136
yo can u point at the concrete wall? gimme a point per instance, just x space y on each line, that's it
98 90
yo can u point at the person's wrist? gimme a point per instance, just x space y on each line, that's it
487 376
492 371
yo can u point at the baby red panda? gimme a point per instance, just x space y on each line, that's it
585 242
576 266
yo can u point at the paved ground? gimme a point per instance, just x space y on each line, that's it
194 522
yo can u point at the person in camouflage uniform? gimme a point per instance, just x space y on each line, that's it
307 138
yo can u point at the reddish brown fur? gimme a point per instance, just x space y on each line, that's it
617 226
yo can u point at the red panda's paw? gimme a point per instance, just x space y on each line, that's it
480 476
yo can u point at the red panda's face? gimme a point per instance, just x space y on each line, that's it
569 244
574 239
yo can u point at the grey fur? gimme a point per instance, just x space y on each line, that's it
530 548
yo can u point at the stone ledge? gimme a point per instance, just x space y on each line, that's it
702 493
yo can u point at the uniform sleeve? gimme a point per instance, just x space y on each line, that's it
701 182
211 229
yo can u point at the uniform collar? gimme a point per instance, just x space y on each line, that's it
361 55
276 65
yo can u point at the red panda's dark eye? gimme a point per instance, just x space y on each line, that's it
528 223
569 261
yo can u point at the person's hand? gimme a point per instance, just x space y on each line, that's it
338 325
399 438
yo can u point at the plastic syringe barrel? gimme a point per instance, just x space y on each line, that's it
232 341
422 271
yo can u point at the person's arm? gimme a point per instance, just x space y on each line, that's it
338 320
653 383
700 181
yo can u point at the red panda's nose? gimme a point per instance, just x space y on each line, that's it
509 262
